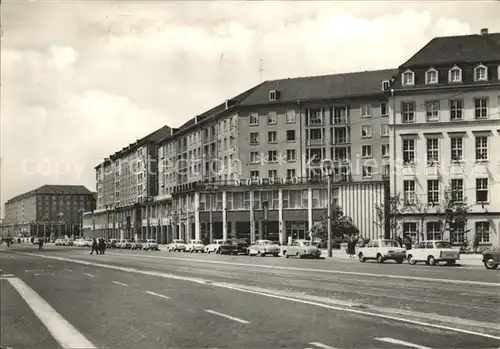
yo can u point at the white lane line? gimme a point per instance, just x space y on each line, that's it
325 271
157 294
321 345
70 270
89 275
400 342
241 321
33 270
62 331
270 295
7 275
50 266
119 283
52 274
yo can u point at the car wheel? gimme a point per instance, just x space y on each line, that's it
411 260
431 260
380 259
399 260
490 263
361 258
450 263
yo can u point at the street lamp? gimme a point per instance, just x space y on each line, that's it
81 212
211 189
328 166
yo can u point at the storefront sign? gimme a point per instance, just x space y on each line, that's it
266 181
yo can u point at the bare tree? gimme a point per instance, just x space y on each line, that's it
389 214
420 209
453 213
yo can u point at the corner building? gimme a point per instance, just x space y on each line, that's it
445 113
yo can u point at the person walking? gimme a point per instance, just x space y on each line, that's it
40 244
94 247
102 246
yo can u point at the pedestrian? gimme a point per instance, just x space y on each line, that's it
350 247
40 244
94 247
400 241
102 246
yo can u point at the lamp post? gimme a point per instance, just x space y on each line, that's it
211 189
328 167
80 212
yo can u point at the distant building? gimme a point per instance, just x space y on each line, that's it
49 210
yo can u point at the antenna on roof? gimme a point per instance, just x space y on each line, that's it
261 68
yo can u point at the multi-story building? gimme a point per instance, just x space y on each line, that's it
123 181
445 113
265 152
48 210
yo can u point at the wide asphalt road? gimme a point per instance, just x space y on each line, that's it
63 297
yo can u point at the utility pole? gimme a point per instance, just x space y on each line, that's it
329 207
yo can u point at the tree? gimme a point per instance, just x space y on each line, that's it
421 210
389 214
453 212
342 225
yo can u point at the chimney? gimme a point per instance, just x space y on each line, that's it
196 119
484 31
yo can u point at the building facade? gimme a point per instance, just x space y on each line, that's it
49 210
445 113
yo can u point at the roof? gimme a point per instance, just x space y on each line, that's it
322 87
457 49
50 189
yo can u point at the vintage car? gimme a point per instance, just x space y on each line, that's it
301 249
195 246
137 245
263 248
491 257
432 252
214 247
150 245
124 243
176 245
228 247
382 250
241 246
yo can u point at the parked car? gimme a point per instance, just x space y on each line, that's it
124 244
59 242
214 247
382 250
176 245
150 245
263 248
137 245
112 243
491 257
240 246
301 249
195 246
227 247
432 252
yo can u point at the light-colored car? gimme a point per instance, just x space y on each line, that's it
195 246
214 247
263 248
491 257
301 249
81 243
382 250
59 242
124 243
150 245
176 245
432 252
68 242
137 245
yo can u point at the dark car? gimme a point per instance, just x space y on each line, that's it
491 257
241 246
227 247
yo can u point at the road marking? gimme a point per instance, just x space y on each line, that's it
50 266
157 294
241 321
33 271
321 345
7 275
70 270
89 275
270 295
62 331
52 274
324 271
119 283
397 341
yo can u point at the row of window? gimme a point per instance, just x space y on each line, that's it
454 75
456 146
434 231
457 191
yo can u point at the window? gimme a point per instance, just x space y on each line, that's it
254 137
386 84
254 119
384 130
340 115
481 148
254 174
290 155
456 109
410 229
459 234
254 157
315 117
367 171
384 150
483 231
431 76
432 151
432 191
290 173
272 137
290 135
409 192
366 151
408 151
480 73
408 78
366 110
366 131
457 190
481 190
384 110
481 108
408 112
433 230
290 116
272 118
272 173
432 110
272 95
455 75
457 151
272 156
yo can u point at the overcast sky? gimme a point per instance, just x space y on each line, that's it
81 80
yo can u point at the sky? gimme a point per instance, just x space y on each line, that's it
80 81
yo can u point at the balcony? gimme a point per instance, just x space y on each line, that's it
319 141
341 140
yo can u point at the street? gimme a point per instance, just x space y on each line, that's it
64 297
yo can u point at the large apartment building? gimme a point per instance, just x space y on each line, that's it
48 210
445 108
